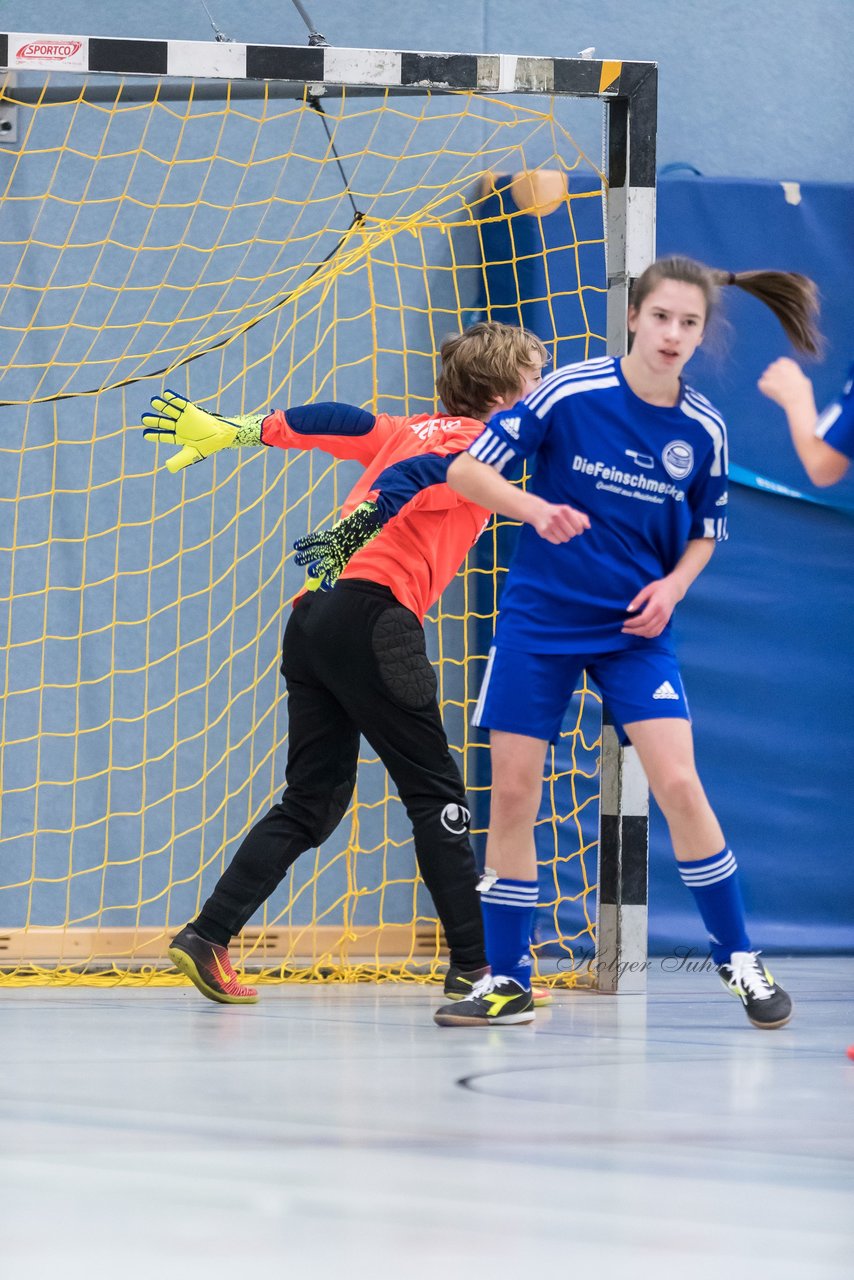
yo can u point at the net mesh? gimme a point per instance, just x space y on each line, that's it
249 254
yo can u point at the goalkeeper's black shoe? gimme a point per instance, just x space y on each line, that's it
208 967
766 1005
459 983
493 1002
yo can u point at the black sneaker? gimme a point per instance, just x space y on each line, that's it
767 1005
460 982
207 965
493 1002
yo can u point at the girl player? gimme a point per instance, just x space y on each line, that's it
627 500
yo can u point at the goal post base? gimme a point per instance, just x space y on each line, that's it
621 962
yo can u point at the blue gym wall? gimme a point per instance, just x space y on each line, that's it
764 633
749 89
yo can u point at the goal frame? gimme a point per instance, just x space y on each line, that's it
629 92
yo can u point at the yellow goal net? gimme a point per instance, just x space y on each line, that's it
250 252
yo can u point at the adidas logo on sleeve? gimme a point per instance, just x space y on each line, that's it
511 426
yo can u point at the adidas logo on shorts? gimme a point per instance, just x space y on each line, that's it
666 690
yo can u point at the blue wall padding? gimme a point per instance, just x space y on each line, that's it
534 264
764 635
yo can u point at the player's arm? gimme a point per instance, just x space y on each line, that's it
421 481
789 387
342 430
425 480
652 607
480 483
706 499
509 438
412 483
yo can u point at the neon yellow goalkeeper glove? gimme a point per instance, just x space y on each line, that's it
327 552
176 420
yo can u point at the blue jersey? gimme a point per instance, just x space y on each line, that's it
650 478
836 423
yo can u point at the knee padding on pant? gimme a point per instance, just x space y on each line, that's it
337 808
310 817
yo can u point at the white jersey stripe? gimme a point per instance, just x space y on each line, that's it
497 446
497 455
827 419
498 464
583 370
720 462
484 444
478 710
578 366
705 407
572 389
571 373
492 450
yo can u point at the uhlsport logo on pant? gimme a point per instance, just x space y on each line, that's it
455 818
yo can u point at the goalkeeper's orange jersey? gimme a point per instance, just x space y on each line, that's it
418 551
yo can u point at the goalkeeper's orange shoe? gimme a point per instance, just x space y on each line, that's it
459 984
208 967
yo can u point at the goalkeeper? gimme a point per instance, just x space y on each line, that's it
354 657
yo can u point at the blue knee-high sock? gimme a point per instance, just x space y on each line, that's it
508 917
717 893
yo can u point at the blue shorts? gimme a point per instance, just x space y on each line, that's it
529 693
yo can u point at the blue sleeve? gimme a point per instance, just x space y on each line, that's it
330 419
400 483
836 423
512 435
708 496
508 438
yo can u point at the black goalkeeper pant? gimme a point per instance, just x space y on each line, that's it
355 663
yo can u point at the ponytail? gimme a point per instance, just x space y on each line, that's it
791 296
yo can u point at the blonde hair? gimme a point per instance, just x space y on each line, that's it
485 363
792 297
